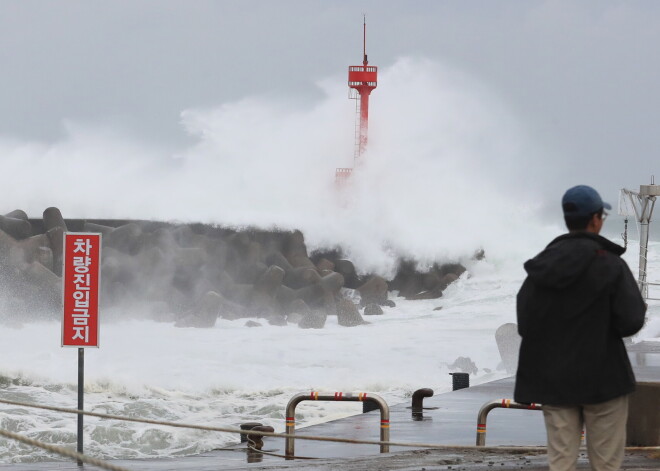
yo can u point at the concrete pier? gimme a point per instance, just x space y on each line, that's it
448 419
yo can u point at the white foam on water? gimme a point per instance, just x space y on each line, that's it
231 374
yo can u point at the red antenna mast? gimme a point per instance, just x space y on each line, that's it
362 79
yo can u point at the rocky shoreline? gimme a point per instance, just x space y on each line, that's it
191 274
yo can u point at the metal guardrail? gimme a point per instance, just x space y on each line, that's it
338 396
499 403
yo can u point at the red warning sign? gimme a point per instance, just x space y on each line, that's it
81 280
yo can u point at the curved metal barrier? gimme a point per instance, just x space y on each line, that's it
338 396
489 406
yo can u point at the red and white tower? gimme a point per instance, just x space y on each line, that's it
362 79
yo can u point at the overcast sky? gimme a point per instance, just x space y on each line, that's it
582 77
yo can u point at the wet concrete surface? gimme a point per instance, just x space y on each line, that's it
449 419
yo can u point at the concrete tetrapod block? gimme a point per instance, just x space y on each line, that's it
55 229
46 286
300 277
276 258
270 281
284 296
643 428
17 228
7 244
44 255
348 314
53 218
56 238
313 295
374 290
347 270
313 320
205 313
18 214
32 248
332 283
373 309
126 238
97 228
295 250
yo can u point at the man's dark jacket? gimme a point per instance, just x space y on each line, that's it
578 301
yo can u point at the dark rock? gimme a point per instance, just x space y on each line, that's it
388 303
455 268
448 279
430 281
439 308
313 320
372 309
348 314
252 324
407 280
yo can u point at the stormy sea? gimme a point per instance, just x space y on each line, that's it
446 173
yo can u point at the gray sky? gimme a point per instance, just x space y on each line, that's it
582 77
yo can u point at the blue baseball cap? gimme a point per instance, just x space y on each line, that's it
582 200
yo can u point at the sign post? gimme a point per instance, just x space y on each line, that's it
80 288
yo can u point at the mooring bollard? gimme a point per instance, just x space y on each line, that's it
418 401
338 396
248 426
256 441
459 381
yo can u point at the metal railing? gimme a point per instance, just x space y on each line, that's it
489 406
338 396
645 286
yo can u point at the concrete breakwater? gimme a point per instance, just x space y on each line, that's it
191 274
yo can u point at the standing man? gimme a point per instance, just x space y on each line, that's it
578 302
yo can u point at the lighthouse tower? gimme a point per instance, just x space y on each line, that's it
362 79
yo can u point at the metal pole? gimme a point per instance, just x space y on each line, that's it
643 254
289 443
487 407
81 390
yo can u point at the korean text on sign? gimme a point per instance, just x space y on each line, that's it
82 261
